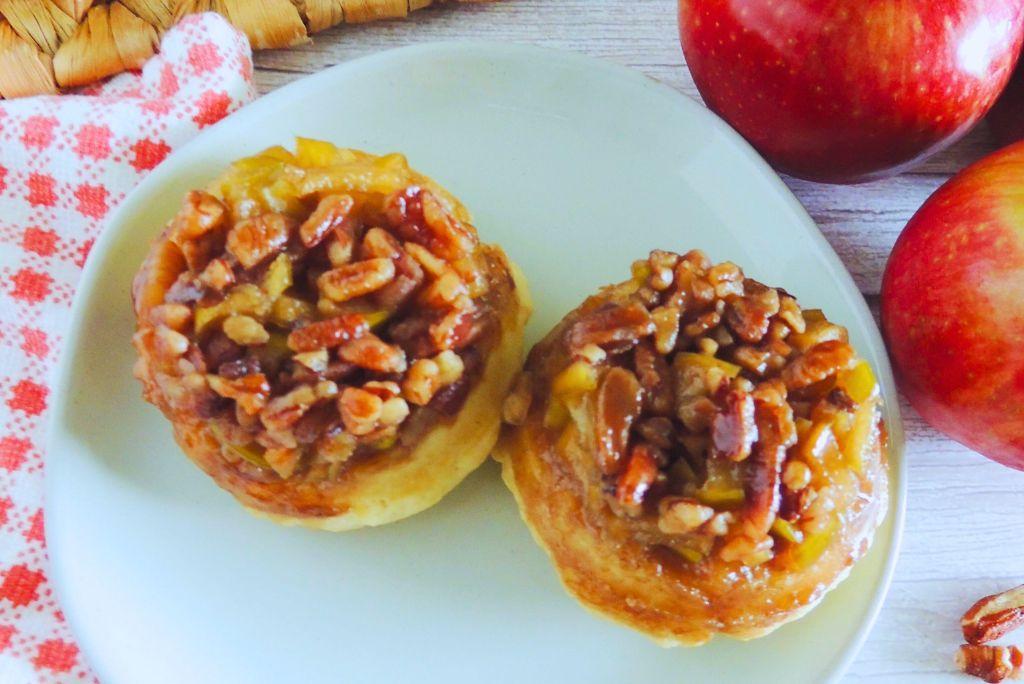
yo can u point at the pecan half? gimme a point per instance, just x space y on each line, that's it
613 328
332 213
373 353
994 616
821 361
329 332
776 433
733 431
378 243
619 404
750 316
990 663
417 215
354 280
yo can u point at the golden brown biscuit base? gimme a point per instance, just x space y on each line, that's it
676 605
654 590
390 484
396 483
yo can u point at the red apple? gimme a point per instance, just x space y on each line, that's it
953 307
850 90
1007 116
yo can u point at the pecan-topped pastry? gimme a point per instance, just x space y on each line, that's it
328 336
697 454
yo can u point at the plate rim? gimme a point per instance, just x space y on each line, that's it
114 224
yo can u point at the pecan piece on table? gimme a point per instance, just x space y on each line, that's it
990 663
994 616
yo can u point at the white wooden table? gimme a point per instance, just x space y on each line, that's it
965 516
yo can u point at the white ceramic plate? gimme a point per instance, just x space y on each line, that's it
576 168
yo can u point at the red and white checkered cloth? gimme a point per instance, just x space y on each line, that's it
65 162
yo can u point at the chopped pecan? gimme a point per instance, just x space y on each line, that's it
747 551
796 475
283 461
655 377
659 431
354 280
393 411
385 389
753 359
174 316
990 663
250 392
680 515
666 328
315 361
421 382
994 616
373 353
619 404
314 423
281 413
789 311
726 278
245 330
186 289
200 213
613 328
733 430
702 324
360 410
443 292
328 333
169 343
433 265
749 316
378 243
233 370
636 479
457 328
217 275
253 240
332 213
821 361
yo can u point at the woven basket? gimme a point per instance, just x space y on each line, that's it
47 45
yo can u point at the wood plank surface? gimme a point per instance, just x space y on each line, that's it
965 514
